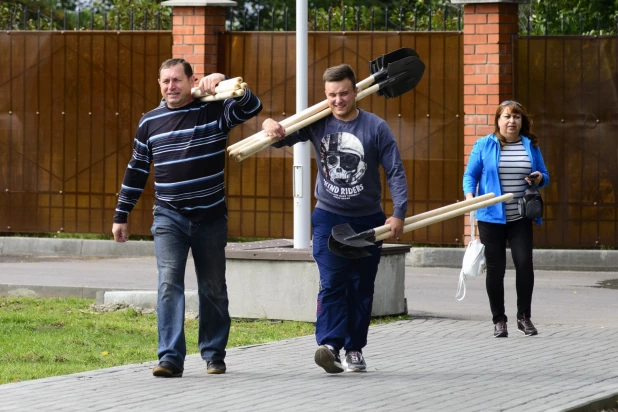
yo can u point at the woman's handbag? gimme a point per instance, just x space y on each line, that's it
531 204
473 261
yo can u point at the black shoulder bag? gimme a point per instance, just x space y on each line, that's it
531 205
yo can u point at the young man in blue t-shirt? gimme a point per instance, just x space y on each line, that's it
350 145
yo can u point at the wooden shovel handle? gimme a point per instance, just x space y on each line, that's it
449 215
251 149
425 215
288 122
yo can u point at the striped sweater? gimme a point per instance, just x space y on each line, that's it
514 166
187 147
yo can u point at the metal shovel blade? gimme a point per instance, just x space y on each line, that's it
381 62
380 65
345 251
344 234
404 80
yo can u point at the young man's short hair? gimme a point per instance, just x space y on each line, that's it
339 73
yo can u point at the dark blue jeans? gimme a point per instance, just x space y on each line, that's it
174 235
519 235
346 285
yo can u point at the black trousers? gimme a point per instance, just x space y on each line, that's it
519 236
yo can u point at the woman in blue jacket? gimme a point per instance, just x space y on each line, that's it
507 161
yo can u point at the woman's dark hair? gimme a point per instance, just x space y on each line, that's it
526 122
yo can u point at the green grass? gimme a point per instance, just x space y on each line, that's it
57 336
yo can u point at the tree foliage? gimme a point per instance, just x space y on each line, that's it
536 17
586 17
83 15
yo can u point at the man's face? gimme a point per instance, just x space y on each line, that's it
341 98
175 86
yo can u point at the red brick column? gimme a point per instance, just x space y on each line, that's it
195 27
488 58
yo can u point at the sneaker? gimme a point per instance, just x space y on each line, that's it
355 361
167 369
526 327
500 330
215 367
328 358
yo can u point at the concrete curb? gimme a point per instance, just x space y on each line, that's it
45 291
544 259
29 246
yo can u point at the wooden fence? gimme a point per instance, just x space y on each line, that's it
569 84
73 100
71 106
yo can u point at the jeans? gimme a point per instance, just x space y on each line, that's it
346 285
174 235
519 236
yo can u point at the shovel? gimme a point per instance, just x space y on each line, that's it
398 78
380 72
383 61
346 243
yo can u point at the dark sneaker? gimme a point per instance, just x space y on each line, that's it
500 330
328 358
215 367
526 327
355 361
167 369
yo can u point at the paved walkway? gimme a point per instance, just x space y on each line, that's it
443 360
418 365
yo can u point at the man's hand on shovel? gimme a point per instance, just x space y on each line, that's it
209 83
396 225
273 129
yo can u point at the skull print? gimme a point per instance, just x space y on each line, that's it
342 157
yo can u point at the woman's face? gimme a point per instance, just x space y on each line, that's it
509 124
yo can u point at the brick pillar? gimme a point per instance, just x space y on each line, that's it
195 27
488 58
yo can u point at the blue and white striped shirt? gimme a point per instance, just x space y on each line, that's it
514 166
187 147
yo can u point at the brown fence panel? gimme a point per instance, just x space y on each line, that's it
427 122
569 86
66 130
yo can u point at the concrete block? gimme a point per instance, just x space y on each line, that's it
272 289
264 284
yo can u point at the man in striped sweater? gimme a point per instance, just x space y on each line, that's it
185 139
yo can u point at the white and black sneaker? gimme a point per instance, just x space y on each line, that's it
355 361
327 357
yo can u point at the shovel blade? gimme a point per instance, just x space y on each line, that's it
343 234
381 62
348 252
405 76
379 66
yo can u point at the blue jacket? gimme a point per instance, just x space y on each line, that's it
482 170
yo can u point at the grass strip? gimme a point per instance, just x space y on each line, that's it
58 336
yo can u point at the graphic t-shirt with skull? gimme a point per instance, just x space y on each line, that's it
348 156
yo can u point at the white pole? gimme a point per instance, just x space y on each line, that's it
302 156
